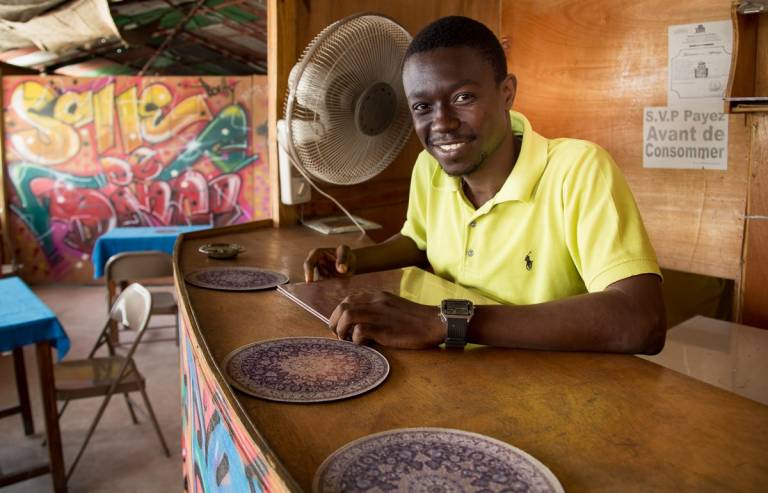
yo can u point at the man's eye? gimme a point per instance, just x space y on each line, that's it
419 108
463 97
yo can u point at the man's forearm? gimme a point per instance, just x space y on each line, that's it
613 320
393 253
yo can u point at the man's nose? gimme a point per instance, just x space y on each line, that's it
444 120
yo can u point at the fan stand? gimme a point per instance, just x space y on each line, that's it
339 224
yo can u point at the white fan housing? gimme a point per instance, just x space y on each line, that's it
346 115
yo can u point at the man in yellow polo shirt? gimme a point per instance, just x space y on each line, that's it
549 228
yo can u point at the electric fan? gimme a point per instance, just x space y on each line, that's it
345 116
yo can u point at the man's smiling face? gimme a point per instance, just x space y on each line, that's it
460 112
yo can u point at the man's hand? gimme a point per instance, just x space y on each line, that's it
387 320
330 262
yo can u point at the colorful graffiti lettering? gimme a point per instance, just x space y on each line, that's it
87 155
218 454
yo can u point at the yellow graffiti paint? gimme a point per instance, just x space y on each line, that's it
158 125
74 108
128 114
50 141
104 117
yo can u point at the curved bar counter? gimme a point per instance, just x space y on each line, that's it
598 421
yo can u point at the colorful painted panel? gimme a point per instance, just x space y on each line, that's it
86 155
218 453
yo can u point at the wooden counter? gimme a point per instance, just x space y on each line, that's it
600 422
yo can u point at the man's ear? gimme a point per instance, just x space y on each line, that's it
509 89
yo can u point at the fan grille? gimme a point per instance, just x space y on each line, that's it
349 60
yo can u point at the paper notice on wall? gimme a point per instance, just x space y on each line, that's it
682 137
699 63
692 131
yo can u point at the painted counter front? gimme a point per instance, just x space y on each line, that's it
600 422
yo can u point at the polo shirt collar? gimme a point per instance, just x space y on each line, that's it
528 169
530 164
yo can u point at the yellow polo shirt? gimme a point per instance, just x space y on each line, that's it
564 223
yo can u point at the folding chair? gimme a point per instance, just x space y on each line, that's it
127 267
106 376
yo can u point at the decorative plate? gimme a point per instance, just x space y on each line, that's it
305 369
222 250
235 278
432 459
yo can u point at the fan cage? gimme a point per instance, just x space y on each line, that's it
339 64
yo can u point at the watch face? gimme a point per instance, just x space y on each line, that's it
456 308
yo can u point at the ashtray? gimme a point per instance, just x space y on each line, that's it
222 250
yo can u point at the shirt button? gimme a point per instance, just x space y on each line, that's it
470 252
472 224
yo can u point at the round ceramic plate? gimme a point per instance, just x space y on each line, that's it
235 278
432 459
305 369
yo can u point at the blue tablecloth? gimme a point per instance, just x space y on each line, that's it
118 240
24 319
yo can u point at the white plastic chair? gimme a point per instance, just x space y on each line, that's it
127 267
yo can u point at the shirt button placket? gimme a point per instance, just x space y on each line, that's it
470 251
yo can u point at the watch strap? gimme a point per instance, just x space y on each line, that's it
456 336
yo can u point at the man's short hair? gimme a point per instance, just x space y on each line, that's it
455 31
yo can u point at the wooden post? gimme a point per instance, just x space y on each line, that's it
52 433
282 52
23 390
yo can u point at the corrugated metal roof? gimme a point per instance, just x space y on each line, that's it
217 37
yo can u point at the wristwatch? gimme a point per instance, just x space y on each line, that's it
456 314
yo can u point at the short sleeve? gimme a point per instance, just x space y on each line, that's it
604 232
415 226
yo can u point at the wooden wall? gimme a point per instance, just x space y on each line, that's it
586 69
384 198
754 294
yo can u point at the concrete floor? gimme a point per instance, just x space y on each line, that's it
121 457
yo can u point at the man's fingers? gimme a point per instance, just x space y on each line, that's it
360 334
342 259
309 265
333 322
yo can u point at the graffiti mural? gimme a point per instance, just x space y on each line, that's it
86 155
217 452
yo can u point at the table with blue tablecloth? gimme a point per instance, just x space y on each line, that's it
24 320
118 240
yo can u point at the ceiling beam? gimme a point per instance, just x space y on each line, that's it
176 30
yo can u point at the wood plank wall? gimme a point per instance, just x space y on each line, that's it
586 69
384 198
755 296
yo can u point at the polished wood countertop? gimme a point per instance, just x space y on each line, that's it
600 422
728 355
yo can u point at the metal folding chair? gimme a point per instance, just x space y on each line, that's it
127 267
113 374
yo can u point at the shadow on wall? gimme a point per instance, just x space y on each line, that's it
687 295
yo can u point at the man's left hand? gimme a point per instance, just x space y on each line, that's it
387 320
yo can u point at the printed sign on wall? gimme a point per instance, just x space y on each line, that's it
86 155
679 137
699 58
692 131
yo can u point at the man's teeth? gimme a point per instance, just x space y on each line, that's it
450 147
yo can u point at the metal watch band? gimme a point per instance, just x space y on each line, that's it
457 332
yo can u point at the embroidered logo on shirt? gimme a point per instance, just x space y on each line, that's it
528 261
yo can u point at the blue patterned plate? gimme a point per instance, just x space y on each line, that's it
305 369
235 278
432 460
